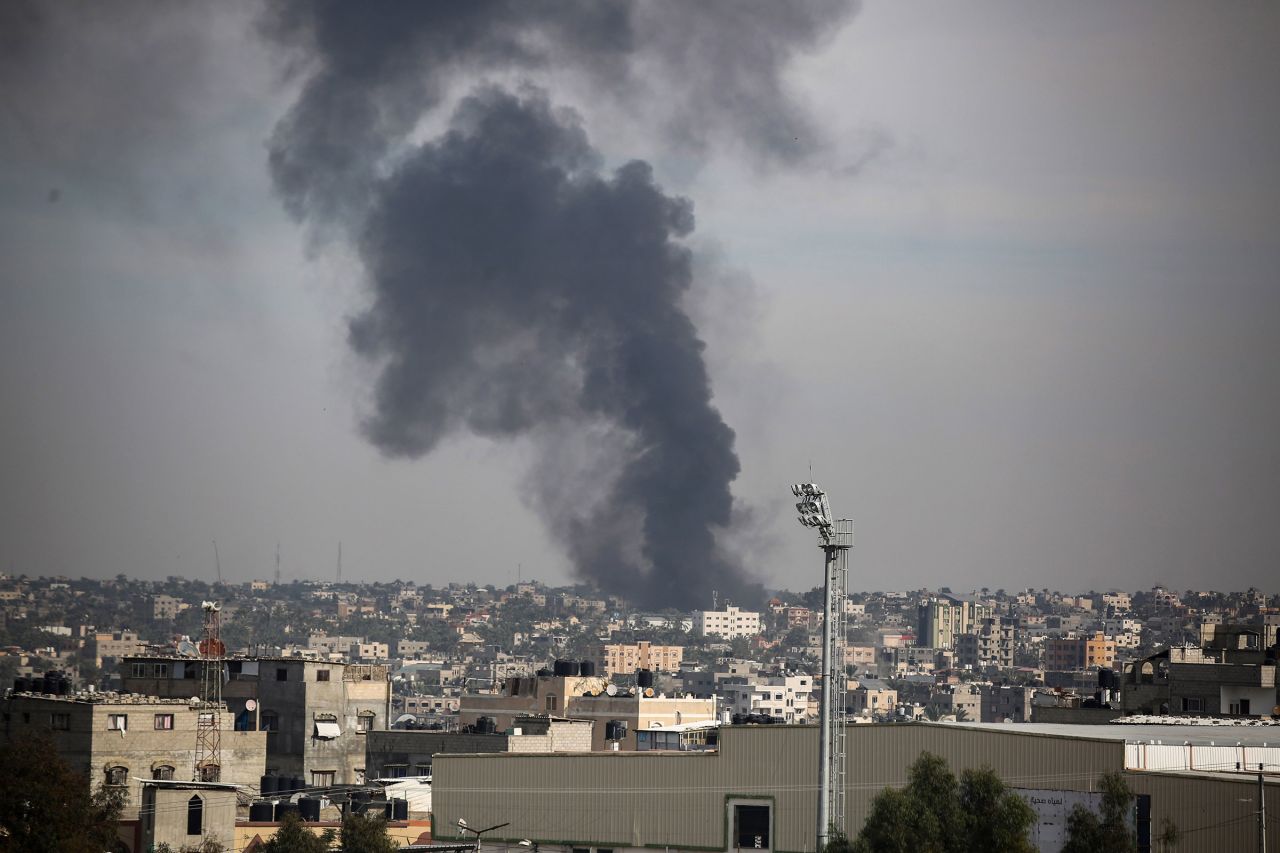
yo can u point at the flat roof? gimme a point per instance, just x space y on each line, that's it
1152 733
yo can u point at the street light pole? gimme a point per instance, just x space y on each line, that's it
835 539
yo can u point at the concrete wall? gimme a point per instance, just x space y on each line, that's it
296 692
90 747
164 818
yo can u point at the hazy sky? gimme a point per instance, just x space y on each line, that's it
1017 305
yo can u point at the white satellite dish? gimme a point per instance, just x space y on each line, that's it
612 690
251 704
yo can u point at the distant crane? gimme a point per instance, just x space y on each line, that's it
835 538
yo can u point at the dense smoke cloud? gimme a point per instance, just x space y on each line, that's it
517 289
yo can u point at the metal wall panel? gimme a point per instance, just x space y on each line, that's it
678 800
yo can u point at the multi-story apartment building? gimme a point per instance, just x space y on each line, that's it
412 648
728 623
785 698
114 646
116 740
584 698
315 712
1074 653
166 607
990 646
623 658
1118 602
944 618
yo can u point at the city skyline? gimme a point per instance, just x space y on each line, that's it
1014 304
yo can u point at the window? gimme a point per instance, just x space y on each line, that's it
164 771
269 721
322 675
195 815
322 778
1191 703
164 722
282 674
139 670
210 773
58 722
117 722
364 722
751 826
117 775
551 703
395 771
161 670
424 769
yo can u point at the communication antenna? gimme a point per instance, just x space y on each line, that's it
208 705
339 561
835 538
715 600
277 564
216 562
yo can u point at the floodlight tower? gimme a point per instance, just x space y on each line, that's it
208 764
835 538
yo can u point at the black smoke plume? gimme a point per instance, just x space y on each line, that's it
518 289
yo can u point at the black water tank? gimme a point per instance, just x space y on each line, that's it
399 809
566 667
644 678
486 725
298 783
262 812
283 809
21 685
269 785
63 687
543 672
587 668
309 807
358 801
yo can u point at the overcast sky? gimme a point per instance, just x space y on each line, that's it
1017 306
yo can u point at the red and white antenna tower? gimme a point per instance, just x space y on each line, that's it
208 765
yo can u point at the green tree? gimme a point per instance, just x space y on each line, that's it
936 813
361 834
1109 831
46 807
293 836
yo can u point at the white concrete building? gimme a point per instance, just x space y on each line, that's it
728 623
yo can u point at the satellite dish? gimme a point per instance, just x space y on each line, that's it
612 690
251 704
648 691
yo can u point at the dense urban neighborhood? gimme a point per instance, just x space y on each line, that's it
306 696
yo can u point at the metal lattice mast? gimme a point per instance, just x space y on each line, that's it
208 763
835 539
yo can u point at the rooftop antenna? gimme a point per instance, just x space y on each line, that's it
715 599
216 562
208 705
277 564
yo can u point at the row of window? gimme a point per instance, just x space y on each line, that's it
161 670
120 722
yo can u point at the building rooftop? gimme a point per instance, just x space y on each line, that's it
1125 733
